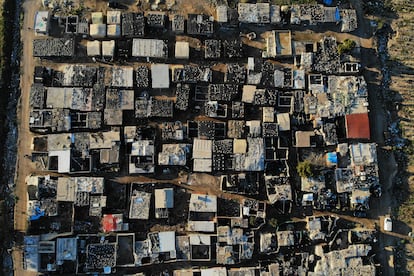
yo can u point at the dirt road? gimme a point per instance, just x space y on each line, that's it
386 161
195 183
24 166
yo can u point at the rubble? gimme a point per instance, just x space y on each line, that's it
53 47
182 97
232 48
200 24
212 49
327 59
133 24
142 76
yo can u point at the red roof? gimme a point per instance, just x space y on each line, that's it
109 223
357 126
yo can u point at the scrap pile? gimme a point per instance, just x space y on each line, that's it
327 59
182 96
54 47
142 76
133 24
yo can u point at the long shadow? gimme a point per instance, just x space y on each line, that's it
391 101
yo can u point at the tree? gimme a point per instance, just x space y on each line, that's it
346 46
252 221
273 222
305 169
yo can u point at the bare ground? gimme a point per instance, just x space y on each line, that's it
401 65
24 166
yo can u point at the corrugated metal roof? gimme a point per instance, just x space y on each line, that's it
357 126
97 30
93 48
202 148
160 76
182 49
167 241
164 198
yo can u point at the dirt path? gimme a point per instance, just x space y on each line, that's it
195 183
24 166
386 161
309 35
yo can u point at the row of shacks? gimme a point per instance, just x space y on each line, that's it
242 126
115 23
216 232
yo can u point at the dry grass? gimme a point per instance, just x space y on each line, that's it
402 70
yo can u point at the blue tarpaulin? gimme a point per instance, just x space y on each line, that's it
327 2
337 15
332 158
38 213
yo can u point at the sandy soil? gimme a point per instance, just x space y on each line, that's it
400 47
24 166
195 182
190 6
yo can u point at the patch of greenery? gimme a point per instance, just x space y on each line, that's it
305 169
346 46
273 222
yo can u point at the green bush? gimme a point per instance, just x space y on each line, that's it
273 222
346 46
305 169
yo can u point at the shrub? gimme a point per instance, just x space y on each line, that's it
346 46
305 169
273 222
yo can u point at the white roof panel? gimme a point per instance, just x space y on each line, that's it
182 49
108 48
202 148
97 30
214 271
164 198
203 203
160 76
200 239
201 226
113 30
167 241
63 160
93 48
202 165
283 120
113 17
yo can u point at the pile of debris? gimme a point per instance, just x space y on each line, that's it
54 47
141 76
133 24
182 95
222 92
327 58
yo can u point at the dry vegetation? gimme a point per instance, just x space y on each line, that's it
401 65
